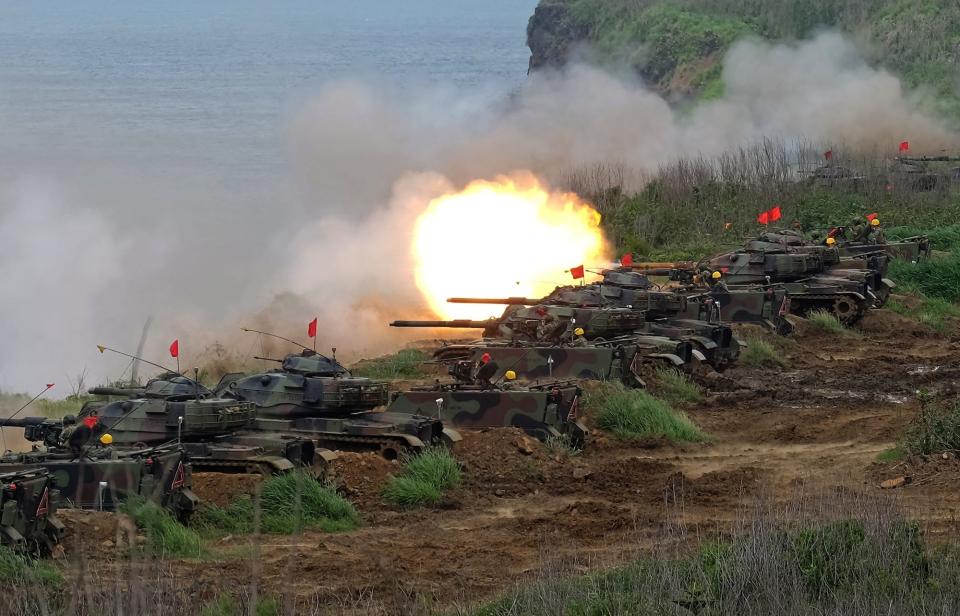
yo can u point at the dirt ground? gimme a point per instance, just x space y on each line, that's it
817 425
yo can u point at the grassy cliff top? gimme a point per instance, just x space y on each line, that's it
677 45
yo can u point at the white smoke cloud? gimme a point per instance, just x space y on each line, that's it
366 159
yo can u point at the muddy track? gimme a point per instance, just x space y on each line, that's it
818 424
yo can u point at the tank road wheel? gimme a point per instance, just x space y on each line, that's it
390 451
846 310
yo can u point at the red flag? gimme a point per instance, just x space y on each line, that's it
577 272
775 213
828 154
763 218
626 259
872 217
49 385
175 348
904 146
312 328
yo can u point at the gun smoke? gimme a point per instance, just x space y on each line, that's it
87 266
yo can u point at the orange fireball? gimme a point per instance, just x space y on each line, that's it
502 238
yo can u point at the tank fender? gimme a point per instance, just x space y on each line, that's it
451 436
411 440
705 342
888 283
325 454
674 359
696 353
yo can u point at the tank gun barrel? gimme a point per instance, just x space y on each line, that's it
116 391
512 301
27 422
454 324
651 267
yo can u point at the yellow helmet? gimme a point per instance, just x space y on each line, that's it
831 241
875 222
578 331
510 375
716 275
106 439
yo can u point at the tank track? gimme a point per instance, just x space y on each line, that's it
800 302
389 448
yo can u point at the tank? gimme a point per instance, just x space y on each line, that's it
315 397
217 433
628 359
28 511
542 411
814 277
654 313
103 477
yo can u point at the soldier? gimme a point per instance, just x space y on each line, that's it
486 369
578 339
873 233
717 285
75 436
550 329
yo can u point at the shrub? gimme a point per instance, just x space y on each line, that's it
761 354
423 479
936 429
634 414
16 568
165 536
288 503
676 387
827 322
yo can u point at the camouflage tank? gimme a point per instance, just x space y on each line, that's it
542 411
814 277
216 433
656 313
315 397
629 359
28 511
90 476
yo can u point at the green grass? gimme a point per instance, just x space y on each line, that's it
423 479
289 503
631 414
406 364
165 536
826 321
761 354
70 405
561 446
227 605
894 454
675 387
935 430
937 278
931 312
846 566
16 568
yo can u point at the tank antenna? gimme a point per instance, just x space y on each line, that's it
257 331
103 348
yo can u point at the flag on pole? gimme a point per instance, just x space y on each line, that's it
828 155
775 213
175 348
49 385
577 272
763 218
904 146
872 217
312 328
626 259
